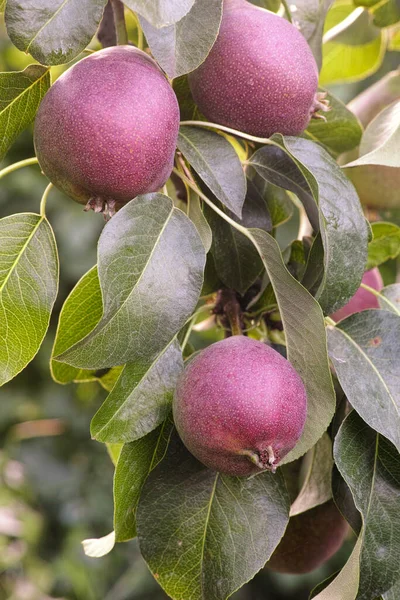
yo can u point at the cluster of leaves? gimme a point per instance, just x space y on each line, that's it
223 226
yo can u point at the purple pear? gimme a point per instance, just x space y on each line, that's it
106 131
310 539
260 76
239 406
362 299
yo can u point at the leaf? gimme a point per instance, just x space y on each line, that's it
384 245
2 5
151 262
344 62
367 343
371 467
393 593
384 12
196 215
309 16
53 31
305 340
182 47
216 162
188 108
236 260
321 186
204 534
28 289
317 472
141 398
381 140
114 451
161 13
136 461
97 547
20 96
341 132
392 293
79 315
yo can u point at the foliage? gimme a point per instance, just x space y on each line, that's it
277 223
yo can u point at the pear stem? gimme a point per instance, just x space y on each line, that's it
18 165
120 25
44 200
287 11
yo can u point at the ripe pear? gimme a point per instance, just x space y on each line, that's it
239 406
260 76
362 299
310 539
106 131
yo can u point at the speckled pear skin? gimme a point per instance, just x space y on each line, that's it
260 76
108 127
239 395
362 299
310 539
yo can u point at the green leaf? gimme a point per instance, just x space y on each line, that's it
20 96
114 451
150 262
345 62
161 13
384 245
182 47
371 467
367 343
279 203
316 472
204 534
393 593
53 31
305 341
188 109
381 139
236 260
136 461
80 314
331 204
216 162
141 399
28 289
341 132
310 16
392 293
196 215
2 5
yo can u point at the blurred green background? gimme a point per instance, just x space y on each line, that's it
55 482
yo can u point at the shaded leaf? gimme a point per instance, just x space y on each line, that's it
316 472
237 262
371 467
307 170
341 132
53 31
381 139
141 398
200 532
309 16
384 245
196 215
151 262
367 343
136 461
392 293
161 13
216 162
28 289
182 47
20 96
